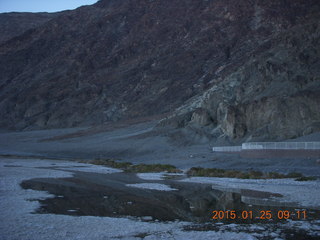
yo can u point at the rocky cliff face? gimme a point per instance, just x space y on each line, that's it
274 94
241 69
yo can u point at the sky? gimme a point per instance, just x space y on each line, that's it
41 5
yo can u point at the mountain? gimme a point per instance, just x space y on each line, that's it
235 69
15 23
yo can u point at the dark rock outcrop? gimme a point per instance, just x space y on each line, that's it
248 68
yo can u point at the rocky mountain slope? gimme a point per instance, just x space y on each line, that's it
238 69
13 24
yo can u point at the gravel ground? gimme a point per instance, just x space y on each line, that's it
140 143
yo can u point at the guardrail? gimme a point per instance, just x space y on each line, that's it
227 149
281 145
269 145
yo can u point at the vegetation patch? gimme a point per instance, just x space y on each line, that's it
153 168
294 175
141 168
306 179
222 173
112 163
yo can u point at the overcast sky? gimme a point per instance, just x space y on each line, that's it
41 5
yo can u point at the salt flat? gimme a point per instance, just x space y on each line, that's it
19 222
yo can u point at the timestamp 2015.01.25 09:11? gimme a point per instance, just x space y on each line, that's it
263 214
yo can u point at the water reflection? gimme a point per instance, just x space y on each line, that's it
88 194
